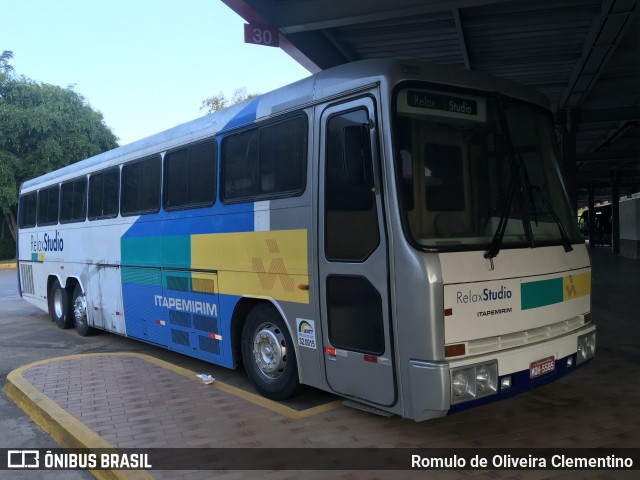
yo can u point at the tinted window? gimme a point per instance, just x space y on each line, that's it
141 187
354 310
444 180
48 205
27 215
103 194
283 155
240 165
73 201
190 176
266 162
351 220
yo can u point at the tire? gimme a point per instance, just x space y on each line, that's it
268 353
59 306
79 312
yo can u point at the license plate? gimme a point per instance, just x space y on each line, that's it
540 367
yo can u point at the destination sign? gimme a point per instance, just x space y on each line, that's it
445 103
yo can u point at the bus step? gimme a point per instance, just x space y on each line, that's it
366 408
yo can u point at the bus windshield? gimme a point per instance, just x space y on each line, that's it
473 168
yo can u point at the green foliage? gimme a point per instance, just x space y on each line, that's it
218 102
7 248
42 128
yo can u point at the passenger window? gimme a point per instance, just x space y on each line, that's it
141 187
351 220
73 201
266 162
104 190
240 165
283 155
190 176
48 199
27 210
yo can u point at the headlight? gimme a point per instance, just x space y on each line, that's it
460 383
482 378
586 347
474 381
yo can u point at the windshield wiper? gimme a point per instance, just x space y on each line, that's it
496 243
566 243
517 167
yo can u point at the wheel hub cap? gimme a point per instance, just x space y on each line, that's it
57 303
269 351
80 309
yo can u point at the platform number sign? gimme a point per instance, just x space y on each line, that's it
261 35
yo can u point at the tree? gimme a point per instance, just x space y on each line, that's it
5 68
218 102
42 128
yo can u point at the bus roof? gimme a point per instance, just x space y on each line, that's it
321 86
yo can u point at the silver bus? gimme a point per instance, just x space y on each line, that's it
394 232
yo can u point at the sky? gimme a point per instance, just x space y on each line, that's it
146 65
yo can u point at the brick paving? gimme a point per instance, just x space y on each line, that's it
132 402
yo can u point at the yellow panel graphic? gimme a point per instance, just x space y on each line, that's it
575 286
203 283
266 263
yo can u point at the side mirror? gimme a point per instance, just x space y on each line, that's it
356 155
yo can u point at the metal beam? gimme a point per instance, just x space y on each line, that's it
605 36
461 40
615 212
295 17
609 155
609 115
251 15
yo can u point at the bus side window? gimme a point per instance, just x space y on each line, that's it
27 210
266 162
283 157
141 187
48 199
104 188
73 201
190 176
240 165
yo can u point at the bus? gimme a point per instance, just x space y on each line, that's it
394 232
602 225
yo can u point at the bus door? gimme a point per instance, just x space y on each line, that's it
352 255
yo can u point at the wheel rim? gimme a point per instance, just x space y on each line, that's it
269 351
80 310
58 307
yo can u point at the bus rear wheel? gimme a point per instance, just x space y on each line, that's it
79 305
59 306
268 353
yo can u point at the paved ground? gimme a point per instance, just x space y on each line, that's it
127 394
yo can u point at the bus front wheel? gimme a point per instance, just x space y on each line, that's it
59 306
268 353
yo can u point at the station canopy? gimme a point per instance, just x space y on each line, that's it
583 54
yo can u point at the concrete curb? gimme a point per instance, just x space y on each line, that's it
63 427
69 432
8 266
